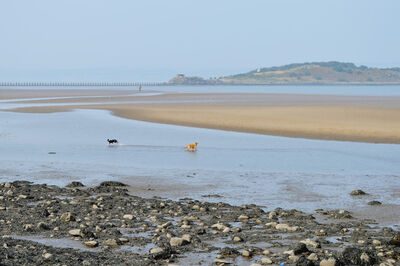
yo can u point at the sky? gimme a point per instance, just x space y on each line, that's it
152 40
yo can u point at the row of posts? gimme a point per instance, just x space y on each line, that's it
79 84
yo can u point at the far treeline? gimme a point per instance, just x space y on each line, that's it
303 73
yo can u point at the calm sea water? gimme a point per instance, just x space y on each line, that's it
370 90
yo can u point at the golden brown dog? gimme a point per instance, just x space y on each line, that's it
192 147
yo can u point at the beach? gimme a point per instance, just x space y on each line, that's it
241 198
374 119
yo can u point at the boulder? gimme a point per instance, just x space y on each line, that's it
357 192
75 184
112 184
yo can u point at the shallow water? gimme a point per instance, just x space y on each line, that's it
241 167
365 90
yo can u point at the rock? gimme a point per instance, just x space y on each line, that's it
128 217
395 241
187 238
28 227
311 243
243 218
177 241
160 253
91 244
47 255
75 232
156 250
237 239
357 192
111 243
221 262
112 184
75 184
294 258
286 227
123 240
67 217
246 253
266 260
374 202
2 208
328 262
165 225
313 257
43 226
300 248
376 242
355 256
266 252
303 261
272 215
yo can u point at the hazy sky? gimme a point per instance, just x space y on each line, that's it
153 39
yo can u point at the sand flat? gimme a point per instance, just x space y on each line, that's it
349 118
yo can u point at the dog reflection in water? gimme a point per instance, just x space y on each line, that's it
192 147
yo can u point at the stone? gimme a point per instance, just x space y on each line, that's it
246 253
28 227
311 243
91 244
167 224
177 241
74 184
328 262
395 241
67 217
2 208
266 252
243 218
266 260
156 250
313 257
112 184
237 239
43 226
128 217
357 192
300 248
221 262
75 232
111 243
123 240
286 227
47 255
374 203
187 238
376 242
272 215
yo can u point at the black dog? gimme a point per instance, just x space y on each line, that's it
111 141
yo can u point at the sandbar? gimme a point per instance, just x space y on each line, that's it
374 119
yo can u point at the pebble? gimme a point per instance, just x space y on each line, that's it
111 242
177 241
357 192
246 253
266 260
47 255
91 244
328 262
128 217
75 232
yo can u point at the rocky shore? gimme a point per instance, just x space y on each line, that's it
104 225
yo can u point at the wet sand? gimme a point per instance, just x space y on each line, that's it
373 119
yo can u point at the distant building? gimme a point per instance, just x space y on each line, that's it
258 70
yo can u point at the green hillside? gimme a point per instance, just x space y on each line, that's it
304 73
317 73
